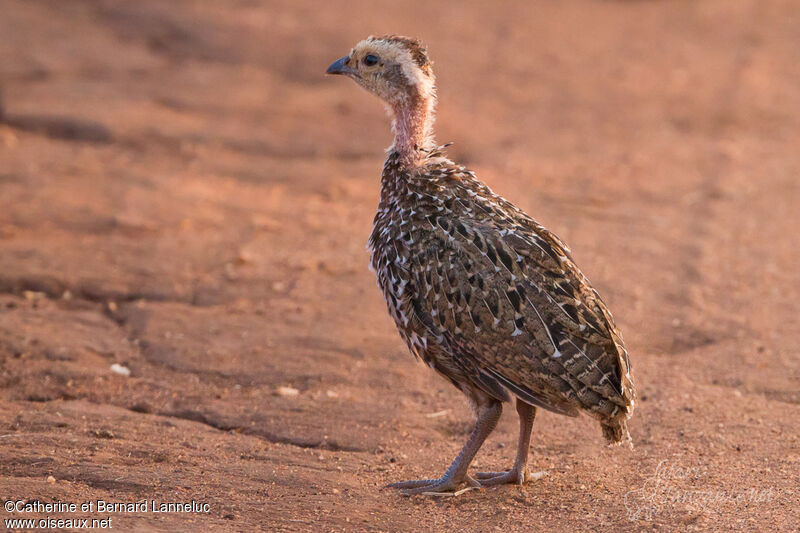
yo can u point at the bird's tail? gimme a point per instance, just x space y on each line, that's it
616 432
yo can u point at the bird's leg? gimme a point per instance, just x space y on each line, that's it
488 413
519 474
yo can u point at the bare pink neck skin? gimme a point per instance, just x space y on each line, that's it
413 127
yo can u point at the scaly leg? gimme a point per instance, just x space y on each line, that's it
519 474
488 412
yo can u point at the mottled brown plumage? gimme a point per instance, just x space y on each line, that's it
479 290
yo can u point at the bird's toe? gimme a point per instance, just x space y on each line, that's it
445 486
514 476
412 484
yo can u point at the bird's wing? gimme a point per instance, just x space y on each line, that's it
506 296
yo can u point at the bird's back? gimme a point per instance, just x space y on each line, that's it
490 298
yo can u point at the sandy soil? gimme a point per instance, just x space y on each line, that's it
184 194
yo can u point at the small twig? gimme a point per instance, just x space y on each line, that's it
450 494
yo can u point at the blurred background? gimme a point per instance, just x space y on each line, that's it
185 306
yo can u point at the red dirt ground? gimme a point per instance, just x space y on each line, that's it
182 192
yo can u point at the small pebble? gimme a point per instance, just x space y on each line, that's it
51 479
243 258
287 391
121 370
102 433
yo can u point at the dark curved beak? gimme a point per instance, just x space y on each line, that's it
340 66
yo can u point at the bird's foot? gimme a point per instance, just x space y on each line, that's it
515 476
444 486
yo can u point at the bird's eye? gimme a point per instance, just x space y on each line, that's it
370 60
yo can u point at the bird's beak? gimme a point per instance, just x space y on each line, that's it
340 67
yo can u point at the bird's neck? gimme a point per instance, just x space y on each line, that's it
413 126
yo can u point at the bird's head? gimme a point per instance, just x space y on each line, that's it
396 69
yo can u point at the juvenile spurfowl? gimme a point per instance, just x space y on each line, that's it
479 290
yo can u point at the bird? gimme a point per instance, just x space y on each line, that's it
480 291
